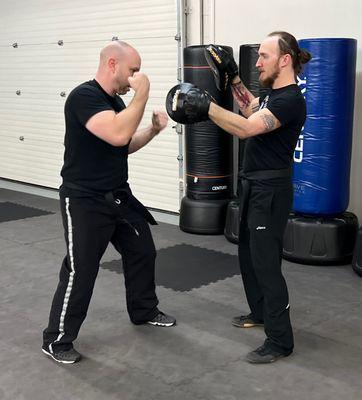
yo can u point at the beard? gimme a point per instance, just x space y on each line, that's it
269 81
122 90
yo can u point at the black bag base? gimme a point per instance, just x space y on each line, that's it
315 240
231 230
205 217
357 255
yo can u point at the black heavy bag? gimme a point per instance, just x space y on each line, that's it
208 147
208 151
249 74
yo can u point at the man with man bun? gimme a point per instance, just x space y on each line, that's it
96 201
271 125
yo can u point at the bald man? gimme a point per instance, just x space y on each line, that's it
97 204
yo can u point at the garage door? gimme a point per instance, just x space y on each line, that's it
46 49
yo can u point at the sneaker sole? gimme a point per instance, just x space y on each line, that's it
163 325
276 358
264 362
245 325
59 361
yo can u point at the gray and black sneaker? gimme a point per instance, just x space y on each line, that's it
266 355
246 321
162 319
70 356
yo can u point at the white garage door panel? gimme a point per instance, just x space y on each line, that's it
101 26
159 147
42 69
57 64
34 117
144 162
17 161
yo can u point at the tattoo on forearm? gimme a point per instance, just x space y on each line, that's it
269 122
241 95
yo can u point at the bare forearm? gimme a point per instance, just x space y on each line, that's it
242 96
260 122
117 129
141 138
230 122
128 120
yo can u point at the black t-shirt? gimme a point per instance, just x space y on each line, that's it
274 150
90 162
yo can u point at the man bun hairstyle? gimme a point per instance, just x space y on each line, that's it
288 45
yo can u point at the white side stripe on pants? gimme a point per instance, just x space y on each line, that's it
71 275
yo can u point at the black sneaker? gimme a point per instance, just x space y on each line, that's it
246 321
162 319
265 355
63 356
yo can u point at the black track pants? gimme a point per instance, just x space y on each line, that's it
260 255
90 224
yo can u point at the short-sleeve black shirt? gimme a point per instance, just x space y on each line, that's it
274 150
90 162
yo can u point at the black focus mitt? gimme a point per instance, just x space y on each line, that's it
222 64
188 104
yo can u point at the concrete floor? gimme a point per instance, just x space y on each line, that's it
201 358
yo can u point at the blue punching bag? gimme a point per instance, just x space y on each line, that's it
323 152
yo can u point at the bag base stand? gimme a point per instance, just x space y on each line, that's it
317 240
312 240
231 230
357 254
206 217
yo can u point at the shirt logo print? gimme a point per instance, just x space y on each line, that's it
264 103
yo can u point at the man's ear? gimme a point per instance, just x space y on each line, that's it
112 64
285 60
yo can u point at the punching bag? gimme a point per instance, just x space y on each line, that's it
249 74
208 148
208 151
323 152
